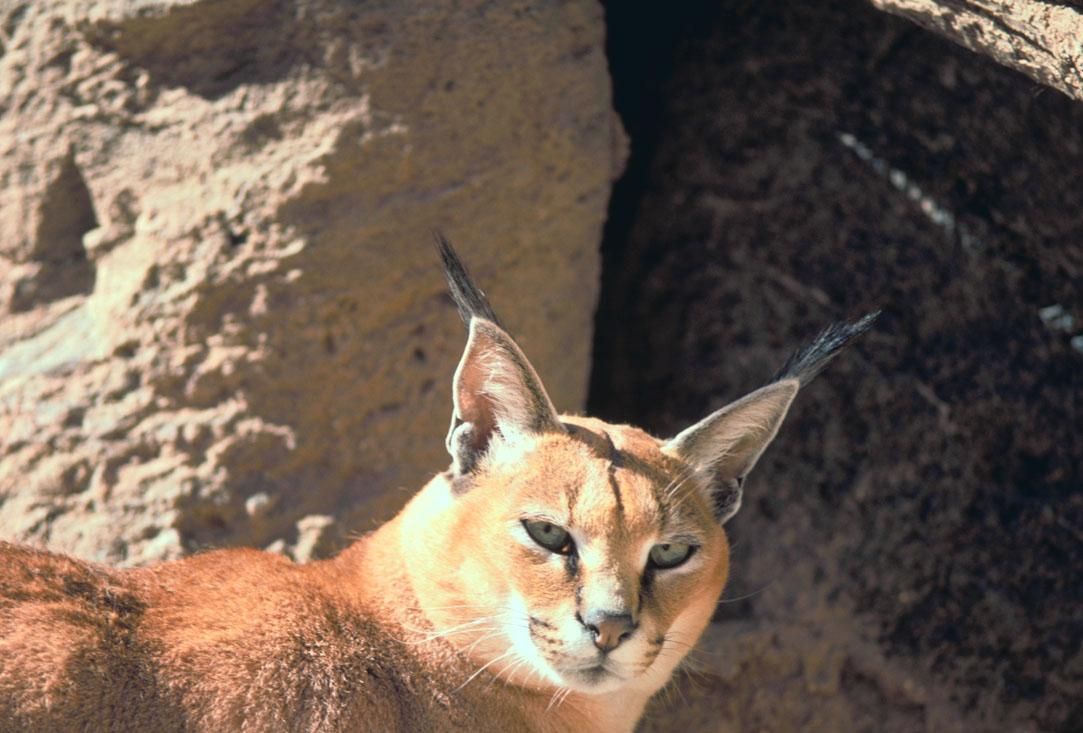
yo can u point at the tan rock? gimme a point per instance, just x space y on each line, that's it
219 309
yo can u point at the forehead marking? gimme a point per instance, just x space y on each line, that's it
615 461
615 485
601 444
611 448
572 495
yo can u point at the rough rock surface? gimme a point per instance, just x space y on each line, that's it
908 554
1041 38
221 320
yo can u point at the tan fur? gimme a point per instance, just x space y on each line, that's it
246 640
449 617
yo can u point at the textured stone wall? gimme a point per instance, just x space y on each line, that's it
1041 38
221 320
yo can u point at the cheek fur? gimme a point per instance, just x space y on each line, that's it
540 579
666 597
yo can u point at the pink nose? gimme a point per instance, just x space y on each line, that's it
608 629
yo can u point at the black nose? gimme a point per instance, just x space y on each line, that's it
608 629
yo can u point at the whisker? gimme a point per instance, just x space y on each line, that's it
462 605
482 668
671 638
559 697
490 629
680 692
534 671
511 669
677 483
567 692
492 633
451 629
746 596
553 699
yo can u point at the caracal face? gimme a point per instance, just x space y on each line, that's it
601 555
565 552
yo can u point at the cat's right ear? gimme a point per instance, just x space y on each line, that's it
495 390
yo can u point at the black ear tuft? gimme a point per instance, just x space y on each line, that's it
495 391
804 364
726 444
468 297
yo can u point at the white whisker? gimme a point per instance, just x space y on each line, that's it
467 626
567 691
482 668
553 699
746 596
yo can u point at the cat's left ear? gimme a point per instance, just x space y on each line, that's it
724 446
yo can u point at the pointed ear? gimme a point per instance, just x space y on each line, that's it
495 390
725 445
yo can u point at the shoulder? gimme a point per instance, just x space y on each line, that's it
68 638
250 637
39 585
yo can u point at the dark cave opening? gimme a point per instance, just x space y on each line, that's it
794 164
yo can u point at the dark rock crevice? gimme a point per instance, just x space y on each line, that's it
800 163
62 267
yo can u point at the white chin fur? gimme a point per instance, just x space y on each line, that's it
518 632
594 683
587 681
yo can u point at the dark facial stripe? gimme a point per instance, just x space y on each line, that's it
572 495
611 447
614 462
615 485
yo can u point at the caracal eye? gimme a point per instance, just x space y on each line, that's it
548 535
670 554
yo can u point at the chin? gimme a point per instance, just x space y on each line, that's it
594 680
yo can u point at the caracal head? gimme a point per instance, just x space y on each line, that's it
573 552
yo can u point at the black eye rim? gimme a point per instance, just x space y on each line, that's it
651 563
566 546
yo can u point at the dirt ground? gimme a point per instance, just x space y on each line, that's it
908 556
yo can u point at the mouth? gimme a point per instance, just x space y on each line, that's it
592 675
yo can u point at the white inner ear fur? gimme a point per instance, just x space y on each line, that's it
726 444
494 376
496 392
506 392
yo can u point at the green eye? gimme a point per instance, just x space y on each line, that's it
550 536
670 555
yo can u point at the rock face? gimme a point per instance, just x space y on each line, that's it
221 321
907 556
1040 38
